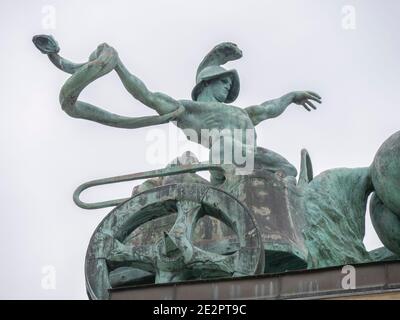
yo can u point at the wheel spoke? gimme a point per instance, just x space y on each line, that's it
181 231
129 256
205 260
188 215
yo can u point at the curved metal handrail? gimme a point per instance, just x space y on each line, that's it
138 176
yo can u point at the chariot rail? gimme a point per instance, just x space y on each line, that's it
138 176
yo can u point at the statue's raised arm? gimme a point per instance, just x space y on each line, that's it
102 61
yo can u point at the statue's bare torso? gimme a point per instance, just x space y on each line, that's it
207 116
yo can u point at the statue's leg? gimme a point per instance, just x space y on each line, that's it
272 161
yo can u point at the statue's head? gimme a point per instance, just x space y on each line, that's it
222 84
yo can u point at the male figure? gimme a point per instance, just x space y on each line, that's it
208 109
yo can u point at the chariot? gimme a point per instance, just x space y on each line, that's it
179 227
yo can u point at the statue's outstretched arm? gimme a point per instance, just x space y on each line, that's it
160 102
274 108
102 61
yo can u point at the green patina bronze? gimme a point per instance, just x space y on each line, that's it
177 226
385 203
215 87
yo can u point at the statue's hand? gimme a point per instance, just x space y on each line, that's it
102 50
303 98
46 44
177 113
105 57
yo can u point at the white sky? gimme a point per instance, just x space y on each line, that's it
287 45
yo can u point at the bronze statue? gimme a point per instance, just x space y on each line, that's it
208 109
280 223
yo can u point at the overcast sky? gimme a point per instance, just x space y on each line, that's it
288 45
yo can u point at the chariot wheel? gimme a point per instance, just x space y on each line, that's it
174 257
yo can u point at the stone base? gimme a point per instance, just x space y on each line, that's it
379 280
